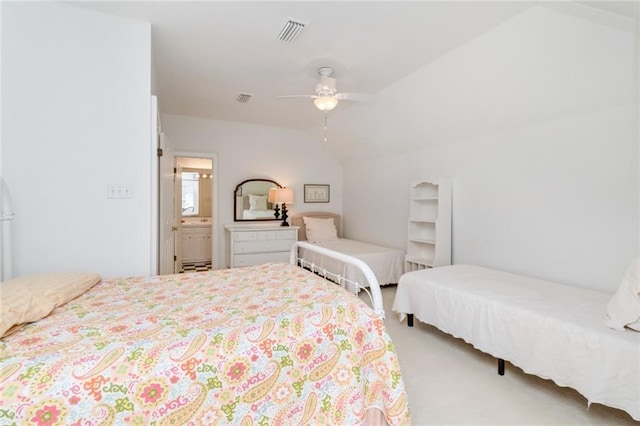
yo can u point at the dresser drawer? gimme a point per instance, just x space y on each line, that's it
245 236
262 246
260 258
288 234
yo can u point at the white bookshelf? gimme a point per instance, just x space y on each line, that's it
429 227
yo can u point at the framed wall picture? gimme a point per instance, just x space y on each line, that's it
316 193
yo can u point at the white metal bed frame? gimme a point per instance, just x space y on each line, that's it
373 291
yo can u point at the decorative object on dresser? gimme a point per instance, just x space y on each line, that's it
251 200
429 228
316 193
254 244
283 196
272 199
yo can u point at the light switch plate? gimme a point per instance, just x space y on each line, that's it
119 190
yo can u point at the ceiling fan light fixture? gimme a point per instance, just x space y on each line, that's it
325 103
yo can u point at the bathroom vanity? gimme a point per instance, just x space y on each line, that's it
196 241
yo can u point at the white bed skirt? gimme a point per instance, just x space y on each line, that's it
554 331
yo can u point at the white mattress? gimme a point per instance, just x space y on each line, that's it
386 263
553 331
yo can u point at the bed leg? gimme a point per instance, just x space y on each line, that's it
501 367
410 320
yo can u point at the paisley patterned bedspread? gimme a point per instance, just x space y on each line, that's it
270 344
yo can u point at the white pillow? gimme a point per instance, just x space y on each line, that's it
319 230
623 309
257 202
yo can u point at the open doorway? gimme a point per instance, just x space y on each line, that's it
188 214
193 245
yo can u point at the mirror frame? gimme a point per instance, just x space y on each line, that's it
235 200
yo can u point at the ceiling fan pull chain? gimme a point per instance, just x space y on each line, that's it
326 113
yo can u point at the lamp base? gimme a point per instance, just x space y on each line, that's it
276 211
284 215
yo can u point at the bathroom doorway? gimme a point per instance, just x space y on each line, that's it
188 237
194 195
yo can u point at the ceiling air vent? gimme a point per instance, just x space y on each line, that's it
291 30
243 98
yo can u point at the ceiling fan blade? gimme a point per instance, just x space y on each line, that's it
359 97
297 96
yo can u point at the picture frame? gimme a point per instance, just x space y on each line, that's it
316 193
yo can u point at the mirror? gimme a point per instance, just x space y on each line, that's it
250 200
196 192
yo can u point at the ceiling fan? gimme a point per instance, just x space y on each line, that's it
327 97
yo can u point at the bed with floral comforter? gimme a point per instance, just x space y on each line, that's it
270 344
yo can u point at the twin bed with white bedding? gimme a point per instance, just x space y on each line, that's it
324 230
554 331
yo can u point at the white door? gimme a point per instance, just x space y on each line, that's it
177 191
167 209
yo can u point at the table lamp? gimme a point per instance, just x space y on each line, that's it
284 196
272 199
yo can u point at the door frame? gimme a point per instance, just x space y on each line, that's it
214 199
155 131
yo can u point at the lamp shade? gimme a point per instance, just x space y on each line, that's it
283 195
272 195
325 103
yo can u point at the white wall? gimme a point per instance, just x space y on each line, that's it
637 83
1 133
291 158
536 121
76 117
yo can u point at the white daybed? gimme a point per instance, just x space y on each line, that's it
386 263
554 331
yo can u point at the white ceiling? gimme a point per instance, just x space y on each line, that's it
206 53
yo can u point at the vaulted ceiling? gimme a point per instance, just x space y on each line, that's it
207 53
